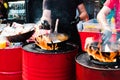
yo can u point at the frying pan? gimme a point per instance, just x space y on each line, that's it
21 37
55 37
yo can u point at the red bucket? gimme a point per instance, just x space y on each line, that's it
95 35
41 65
11 64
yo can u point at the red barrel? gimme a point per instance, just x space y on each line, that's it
87 71
11 64
46 65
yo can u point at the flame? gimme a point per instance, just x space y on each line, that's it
97 54
43 40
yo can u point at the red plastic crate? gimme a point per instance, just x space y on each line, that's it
96 36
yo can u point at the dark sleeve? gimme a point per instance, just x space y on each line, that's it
79 2
47 4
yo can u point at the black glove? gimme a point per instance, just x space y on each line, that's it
45 24
106 36
76 20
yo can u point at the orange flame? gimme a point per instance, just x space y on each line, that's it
99 55
43 40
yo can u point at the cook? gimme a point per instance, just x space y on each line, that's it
106 9
65 11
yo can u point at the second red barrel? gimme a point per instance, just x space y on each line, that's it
11 64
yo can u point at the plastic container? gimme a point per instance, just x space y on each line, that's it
84 35
91 26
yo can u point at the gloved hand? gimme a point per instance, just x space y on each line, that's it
118 35
45 21
106 36
76 20
43 24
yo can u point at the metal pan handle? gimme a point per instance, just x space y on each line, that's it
56 26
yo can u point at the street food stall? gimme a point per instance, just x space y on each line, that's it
25 55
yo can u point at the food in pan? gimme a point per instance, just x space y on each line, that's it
62 37
43 40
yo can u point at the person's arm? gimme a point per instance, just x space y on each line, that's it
82 12
46 14
101 17
47 6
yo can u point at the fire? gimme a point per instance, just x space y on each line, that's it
43 40
96 53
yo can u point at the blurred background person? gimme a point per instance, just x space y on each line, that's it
33 10
110 16
108 6
3 9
